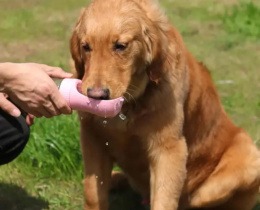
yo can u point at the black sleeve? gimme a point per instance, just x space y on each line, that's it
14 135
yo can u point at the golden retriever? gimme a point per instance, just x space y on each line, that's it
173 141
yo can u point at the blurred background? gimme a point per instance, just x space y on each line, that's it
224 34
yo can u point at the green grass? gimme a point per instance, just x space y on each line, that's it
243 19
58 146
223 34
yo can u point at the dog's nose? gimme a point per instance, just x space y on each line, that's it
98 93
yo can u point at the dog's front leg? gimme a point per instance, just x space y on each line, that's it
168 171
97 171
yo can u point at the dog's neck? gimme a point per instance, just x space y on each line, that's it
141 106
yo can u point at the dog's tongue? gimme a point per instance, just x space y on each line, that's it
77 101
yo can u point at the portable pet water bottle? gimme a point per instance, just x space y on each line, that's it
70 90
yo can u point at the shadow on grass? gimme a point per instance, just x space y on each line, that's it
13 197
257 207
125 199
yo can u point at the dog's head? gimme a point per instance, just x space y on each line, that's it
117 47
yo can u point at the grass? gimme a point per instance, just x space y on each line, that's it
60 147
243 19
224 34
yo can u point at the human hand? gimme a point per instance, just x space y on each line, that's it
8 106
11 109
29 85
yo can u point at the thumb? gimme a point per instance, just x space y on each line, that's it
9 107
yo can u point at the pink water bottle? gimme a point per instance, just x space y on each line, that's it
70 90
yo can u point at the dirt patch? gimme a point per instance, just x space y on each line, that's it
21 51
18 4
227 2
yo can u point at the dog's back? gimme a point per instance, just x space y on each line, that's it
223 161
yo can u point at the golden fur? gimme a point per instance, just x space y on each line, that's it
177 144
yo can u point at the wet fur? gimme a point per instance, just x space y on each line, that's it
177 144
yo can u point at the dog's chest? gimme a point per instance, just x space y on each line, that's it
120 137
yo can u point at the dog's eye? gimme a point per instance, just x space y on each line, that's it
120 46
86 47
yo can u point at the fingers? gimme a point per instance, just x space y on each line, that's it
60 103
47 110
29 119
47 102
8 106
56 104
56 72
50 109
59 73
53 104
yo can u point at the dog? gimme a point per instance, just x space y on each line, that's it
173 139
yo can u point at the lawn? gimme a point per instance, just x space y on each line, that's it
224 34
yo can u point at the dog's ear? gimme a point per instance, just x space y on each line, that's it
76 55
75 48
154 51
155 41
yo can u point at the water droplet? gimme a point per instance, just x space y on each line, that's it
101 182
81 118
107 143
97 105
122 116
96 177
104 123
